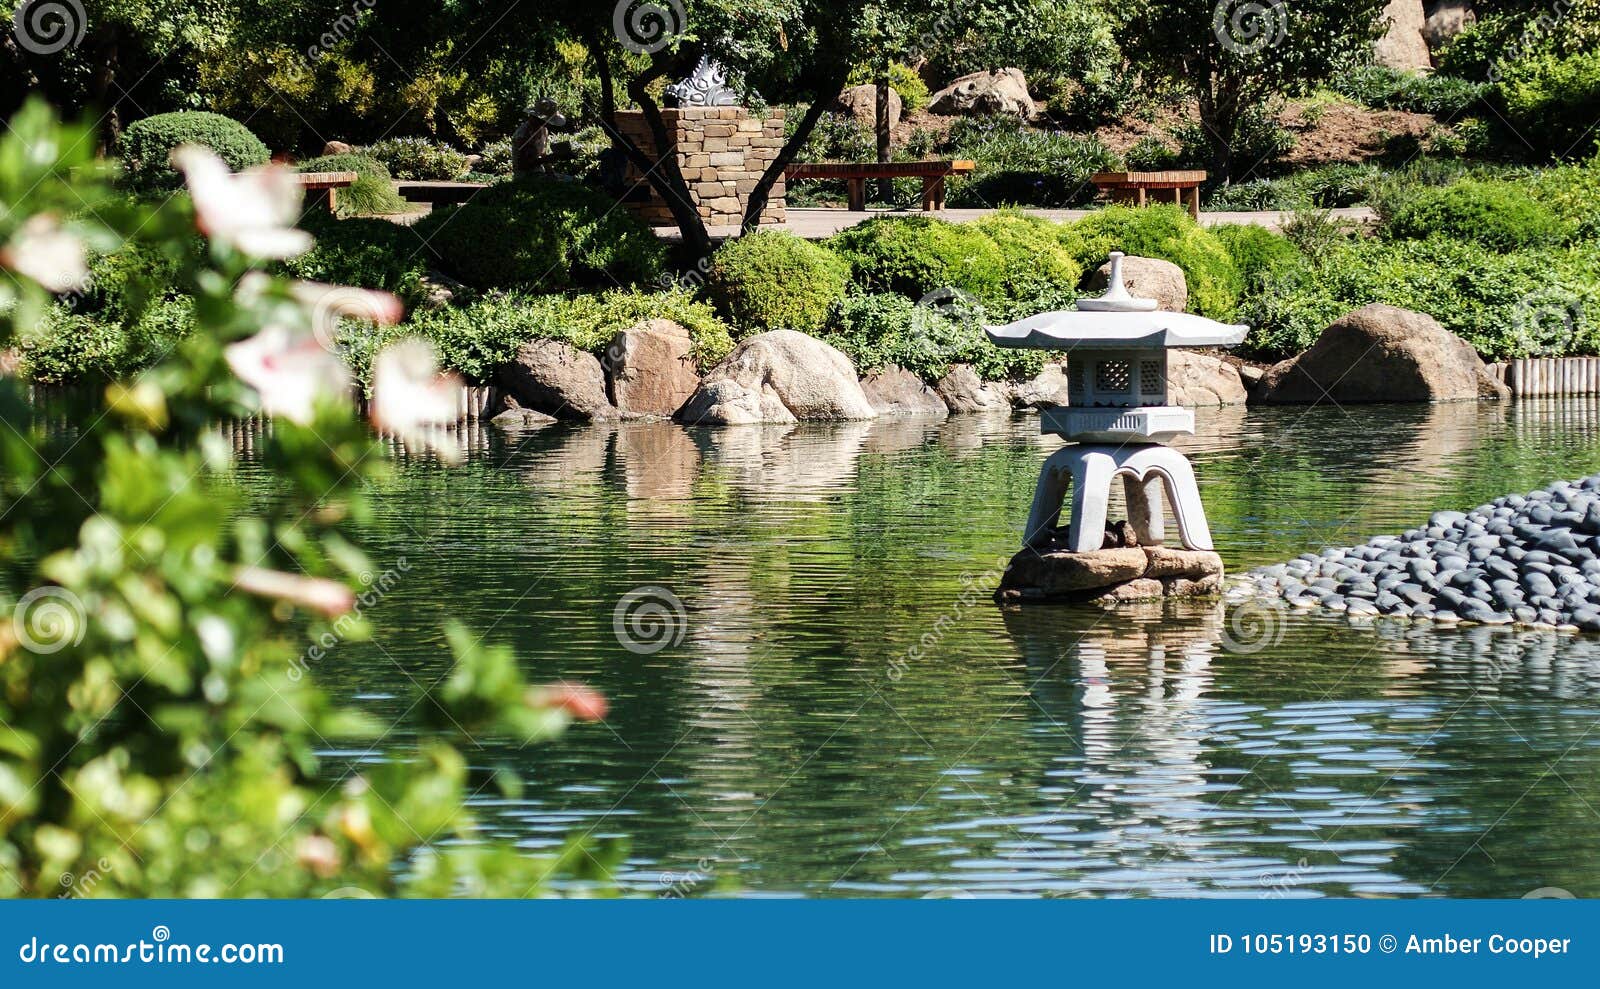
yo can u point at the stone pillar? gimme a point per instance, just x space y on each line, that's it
722 152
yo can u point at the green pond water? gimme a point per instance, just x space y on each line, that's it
841 711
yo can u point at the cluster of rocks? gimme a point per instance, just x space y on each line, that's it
1415 31
1123 571
1523 559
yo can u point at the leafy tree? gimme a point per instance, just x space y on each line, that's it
1241 58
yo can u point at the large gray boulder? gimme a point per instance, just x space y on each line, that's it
894 391
1403 45
1147 278
779 376
861 103
1445 20
651 370
1000 91
1201 379
963 391
1045 390
1382 354
554 378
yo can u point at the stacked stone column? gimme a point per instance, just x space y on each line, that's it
722 152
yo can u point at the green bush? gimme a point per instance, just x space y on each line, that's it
1497 215
1150 154
1019 166
475 340
372 193
1552 102
1259 254
914 255
879 329
774 280
541 234
1383 88
373 254
903 79
350 161
495 158
68 347
418 159
1169 233
1038 273
147 144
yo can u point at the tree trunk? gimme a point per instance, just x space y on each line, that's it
827 96
100 85
885 186
662 173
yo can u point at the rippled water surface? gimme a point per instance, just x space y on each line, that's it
842 711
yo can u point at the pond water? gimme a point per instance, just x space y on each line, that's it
841 711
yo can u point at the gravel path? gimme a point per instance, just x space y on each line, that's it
1523 559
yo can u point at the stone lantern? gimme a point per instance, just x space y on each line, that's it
1118 420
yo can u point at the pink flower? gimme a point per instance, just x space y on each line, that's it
411 399
318 854
330 303
49 255
329 597
291 372
254 211
582 703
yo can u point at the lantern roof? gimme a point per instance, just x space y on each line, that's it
1077 330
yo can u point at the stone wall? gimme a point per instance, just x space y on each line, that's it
722 152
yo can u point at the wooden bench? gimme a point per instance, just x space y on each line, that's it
856 174
1135 187
438 193
322 188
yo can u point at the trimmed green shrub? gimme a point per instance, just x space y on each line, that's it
1497 215
1169 233
774 280
373 254
1553 102
884 328
914 255
541 234
350 161
418 159
147 144
1037 271
68 347
476 339
1019 166
1257 252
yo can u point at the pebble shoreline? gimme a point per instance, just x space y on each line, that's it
1530 560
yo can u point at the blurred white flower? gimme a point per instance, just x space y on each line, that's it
254 211
49 255
411 399
329 597
290 371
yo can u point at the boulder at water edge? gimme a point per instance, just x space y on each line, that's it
1148 278
1045 390
1382 354
1201 379
779 376
981 93
652 371
963 391
555 378
894 391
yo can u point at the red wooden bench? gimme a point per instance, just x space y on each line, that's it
322 188
856 174
1135 187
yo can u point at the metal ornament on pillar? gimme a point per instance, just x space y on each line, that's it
1118 417
707 85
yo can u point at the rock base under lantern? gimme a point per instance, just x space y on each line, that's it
1116 574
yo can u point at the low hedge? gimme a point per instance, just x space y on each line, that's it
915 255
476 339
418 159
771 280
373 254
1169 233
1498 215
146 146
1552 102
878 329
541 235
67 346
